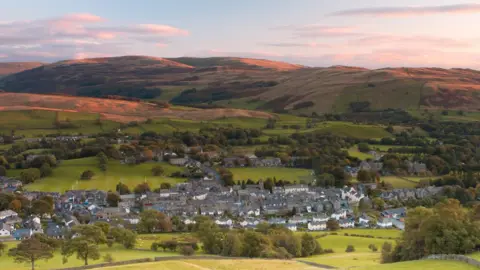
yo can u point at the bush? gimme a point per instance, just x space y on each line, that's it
110 242
350 248
108 258
328 250
154 246
373 248
157 171
87 175
187 250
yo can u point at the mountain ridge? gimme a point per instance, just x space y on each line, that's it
253 83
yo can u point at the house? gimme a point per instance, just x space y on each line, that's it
384 223
7 214
346 223
364 220
298 220
416 167
55 231
295 188
224 222
270 162
340 214
21 234
395 213
178 161
320 218
5 230
371 166
291 227
276 221
317 226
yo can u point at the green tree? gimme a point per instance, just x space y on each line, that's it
122 189
112 199
104 226
232 246
125 237
102 161
3 171
325 180
41 207
87 175
309 244
45 170
187 250
30 251
363 147
152 221
3 247
29 176
84 242
332 225
254 244
165 186
158 170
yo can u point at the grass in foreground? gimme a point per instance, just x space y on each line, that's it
117 252
422 265
234 264
255 174
66 176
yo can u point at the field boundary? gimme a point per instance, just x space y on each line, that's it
454 257
181 258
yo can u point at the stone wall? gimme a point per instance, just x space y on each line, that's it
454 257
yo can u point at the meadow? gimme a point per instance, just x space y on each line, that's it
421 265
398 182
255 174
67 176
118 253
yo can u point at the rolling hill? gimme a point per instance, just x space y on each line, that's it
8 68
254 84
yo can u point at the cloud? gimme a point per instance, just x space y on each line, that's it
417 40
410 11
297 45
161 45
3 55
317 30
78 34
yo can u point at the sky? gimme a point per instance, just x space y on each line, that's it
367 33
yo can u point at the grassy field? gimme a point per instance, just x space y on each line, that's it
338 128
117 252
394 233
362 256
66 176
397 182
234 264
422 265
255 174
145 240
353 151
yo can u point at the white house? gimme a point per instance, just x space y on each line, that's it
320 218
189 221
298 220
346 223
317 226
224 222
5 230
351 195
296 188
291 227
200 196
7 213
364 220
339 214
384 223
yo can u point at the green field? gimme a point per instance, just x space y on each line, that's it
422 265
451 116
353 151
384 233
233 264
66 176
338 128
398 182
117 252
255 174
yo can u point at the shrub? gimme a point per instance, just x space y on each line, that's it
154 246
108 258
373 248
187 250
327 250
87 175
350 248
110 242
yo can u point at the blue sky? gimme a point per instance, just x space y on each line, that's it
366 33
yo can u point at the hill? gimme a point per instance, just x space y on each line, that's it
254 84
116 110
7 68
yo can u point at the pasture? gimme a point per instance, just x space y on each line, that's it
67 176
255 174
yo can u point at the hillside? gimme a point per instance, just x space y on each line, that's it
14 67
254 84
116 110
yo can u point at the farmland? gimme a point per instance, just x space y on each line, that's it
255 174
66 176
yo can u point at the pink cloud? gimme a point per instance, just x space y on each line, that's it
318 30
83 17
163 30
161 45
2 55
421 40
410 11
83 55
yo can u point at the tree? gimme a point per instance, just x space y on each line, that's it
309 244
364 176
378 203
387 252
125 237
325 180
30 251
187 250
85 243
363 147
3 247
53 243
108 258
41 207
3 171
122 189
102 161
158 170
15 205
373 247
45 170
142 188
87 175
3 161
152 220
255 243
112 199
332 225
165 186
104 226
29 176
350 248
232 246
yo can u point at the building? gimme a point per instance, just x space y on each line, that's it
295 188
178 161
8 214
384 223
317 226
291 227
